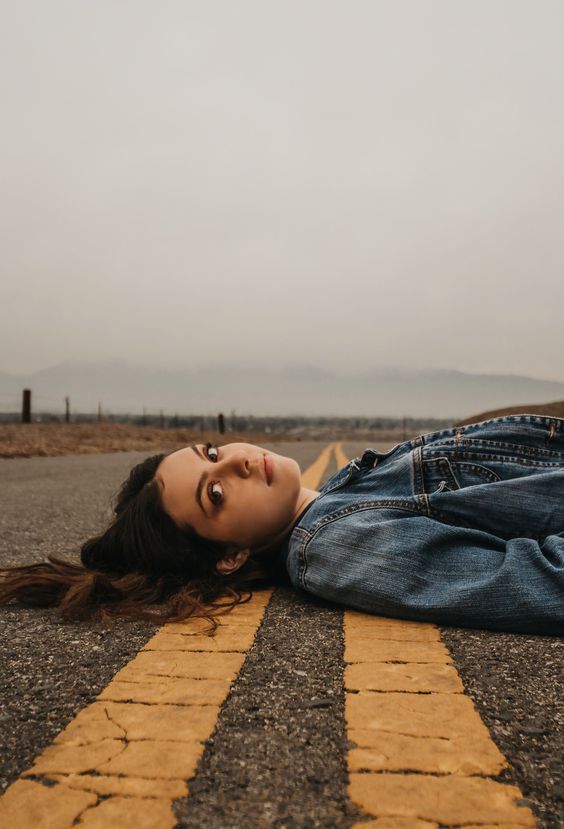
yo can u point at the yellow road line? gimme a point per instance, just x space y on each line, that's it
423 755
123 759
340 456
313 475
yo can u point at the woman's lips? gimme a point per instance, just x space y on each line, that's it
268 468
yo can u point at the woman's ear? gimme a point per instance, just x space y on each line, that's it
232 561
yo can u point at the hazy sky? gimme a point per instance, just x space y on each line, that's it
350 184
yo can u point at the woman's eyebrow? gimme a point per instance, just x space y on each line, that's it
201 482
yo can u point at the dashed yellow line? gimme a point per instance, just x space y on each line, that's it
423 755
126 757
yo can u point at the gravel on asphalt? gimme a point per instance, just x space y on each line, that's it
278 752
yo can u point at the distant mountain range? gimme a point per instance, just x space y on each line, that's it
307 390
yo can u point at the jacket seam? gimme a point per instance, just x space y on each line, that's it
553 424
469 446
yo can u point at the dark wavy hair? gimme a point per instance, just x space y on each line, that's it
142 567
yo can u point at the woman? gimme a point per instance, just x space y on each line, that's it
463 526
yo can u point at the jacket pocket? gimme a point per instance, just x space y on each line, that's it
438 475
469 473
445 474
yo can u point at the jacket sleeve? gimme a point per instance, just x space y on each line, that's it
412 566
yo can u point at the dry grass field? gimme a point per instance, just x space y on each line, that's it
555 409
26 440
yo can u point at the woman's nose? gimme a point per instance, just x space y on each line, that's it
238 463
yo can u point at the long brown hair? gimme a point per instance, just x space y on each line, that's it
142 567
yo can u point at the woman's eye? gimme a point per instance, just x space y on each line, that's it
212 448
215 492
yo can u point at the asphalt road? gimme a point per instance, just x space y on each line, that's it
277 753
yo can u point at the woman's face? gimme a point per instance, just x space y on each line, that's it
226 494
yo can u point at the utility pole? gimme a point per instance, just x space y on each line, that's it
67 409
26 406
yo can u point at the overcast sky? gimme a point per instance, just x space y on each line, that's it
347 184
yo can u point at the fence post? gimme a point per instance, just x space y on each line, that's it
221 424
26 406
67 409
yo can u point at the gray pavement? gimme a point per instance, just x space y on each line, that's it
277 748
516 682
277 756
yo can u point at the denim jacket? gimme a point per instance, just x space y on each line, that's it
459 527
